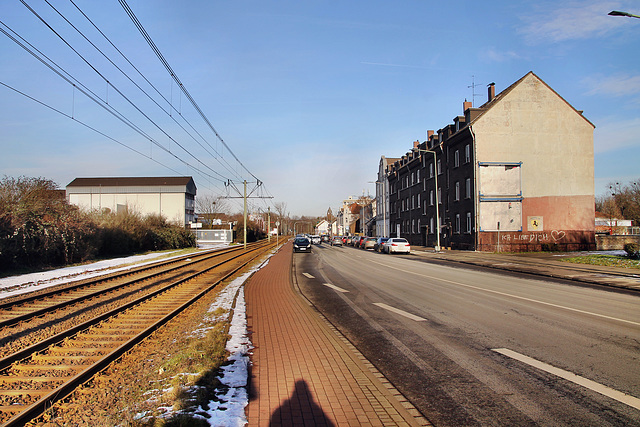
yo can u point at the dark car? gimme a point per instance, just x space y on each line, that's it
301 244
378 246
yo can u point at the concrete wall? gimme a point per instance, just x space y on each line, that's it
610 243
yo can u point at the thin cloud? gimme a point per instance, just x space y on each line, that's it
575 20
496 55
616 85
613 134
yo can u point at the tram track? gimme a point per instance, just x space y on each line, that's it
35 376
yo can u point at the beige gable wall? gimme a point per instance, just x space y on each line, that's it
533 125
170 205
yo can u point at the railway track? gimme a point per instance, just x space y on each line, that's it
103 321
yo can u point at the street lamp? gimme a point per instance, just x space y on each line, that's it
435 165
618 13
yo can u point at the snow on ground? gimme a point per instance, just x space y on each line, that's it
228 408
16 285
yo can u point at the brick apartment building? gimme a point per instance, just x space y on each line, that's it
515 174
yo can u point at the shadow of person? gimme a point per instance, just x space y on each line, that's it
300 409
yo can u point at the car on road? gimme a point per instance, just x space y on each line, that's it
315 239
369 243
301 244
379 242
396 245
348 240
336 241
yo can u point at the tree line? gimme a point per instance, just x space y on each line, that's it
622 201
39 229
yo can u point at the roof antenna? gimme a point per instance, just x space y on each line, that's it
473 89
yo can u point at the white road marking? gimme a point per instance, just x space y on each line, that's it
632 401
336 288
400 312
308 276
514 296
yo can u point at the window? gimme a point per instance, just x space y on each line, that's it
413 202
439 196
457 191
403 205
418 176
430 170
439 166
468 222
456 159
418 201
467 153
413 177
431 198
413 226
431 228
457 229
467 194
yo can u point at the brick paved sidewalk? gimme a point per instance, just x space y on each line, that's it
304 372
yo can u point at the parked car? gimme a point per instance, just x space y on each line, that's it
336 241
349 240
356 241
379 242
369 243
301 244
396 245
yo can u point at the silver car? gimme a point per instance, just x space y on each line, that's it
396 245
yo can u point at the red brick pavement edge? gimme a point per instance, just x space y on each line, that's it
304 372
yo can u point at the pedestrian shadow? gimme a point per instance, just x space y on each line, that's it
300 409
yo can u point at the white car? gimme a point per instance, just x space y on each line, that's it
396 244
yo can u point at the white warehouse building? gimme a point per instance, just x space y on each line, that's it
171 197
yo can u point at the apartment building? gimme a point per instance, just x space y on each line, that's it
515 174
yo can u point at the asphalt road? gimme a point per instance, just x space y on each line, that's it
471 347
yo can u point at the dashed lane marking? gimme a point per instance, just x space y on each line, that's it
336 288
308 276
632 401
400 312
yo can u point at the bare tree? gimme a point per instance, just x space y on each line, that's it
213 205
282 216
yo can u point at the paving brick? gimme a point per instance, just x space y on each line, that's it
303 372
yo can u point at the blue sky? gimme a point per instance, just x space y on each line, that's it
307 95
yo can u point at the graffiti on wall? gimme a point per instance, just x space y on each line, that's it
544 237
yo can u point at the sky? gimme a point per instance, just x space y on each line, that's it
301 97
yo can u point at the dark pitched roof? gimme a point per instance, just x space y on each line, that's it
131 181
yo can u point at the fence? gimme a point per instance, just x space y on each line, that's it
210 237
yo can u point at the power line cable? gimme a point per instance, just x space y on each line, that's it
225 165
153 46
116 89
61 73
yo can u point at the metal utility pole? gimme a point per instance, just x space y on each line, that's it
245 196
269 223
245 214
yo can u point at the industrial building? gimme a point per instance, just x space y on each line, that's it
171 197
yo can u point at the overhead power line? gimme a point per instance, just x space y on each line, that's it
177 80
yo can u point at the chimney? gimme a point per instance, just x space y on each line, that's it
415 144
429 134
492 91
466 105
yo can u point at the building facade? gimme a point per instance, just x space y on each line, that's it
171 197
515 174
